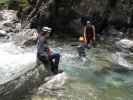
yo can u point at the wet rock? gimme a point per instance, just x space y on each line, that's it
17 87
29 42
53 86
31 37
26 37
18 26
1 17
19 72
9 24
3 33
125 45
20 85
111 35
120 64
8 15
116 33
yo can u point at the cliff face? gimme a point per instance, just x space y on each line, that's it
64 16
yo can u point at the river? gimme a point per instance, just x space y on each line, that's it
93 82
91 78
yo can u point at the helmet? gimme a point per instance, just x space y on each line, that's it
46 29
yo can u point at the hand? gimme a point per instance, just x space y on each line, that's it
50 51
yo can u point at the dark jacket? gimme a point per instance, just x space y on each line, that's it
42 47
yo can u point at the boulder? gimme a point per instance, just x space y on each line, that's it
26 37
120 64
29 42
112 31
17 87
125 45
18 72
8 15
3 33
53 86
9 24
30 37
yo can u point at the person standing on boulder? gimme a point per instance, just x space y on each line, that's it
44 53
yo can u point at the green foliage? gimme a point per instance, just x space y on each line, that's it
3 3
23 3
13 4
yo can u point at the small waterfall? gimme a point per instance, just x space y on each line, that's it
14 61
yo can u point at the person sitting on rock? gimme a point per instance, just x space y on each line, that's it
44 53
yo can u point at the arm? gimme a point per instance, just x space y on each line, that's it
85 34
94 32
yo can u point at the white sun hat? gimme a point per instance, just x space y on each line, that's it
46 29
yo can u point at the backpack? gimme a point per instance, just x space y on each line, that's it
84 19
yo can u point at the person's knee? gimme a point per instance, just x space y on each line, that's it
57 55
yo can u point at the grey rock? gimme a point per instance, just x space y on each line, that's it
1 17
29 42
124 45
19 72
23 83
3 33
120 64
9 24
54 85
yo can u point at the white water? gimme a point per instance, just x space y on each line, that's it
14 61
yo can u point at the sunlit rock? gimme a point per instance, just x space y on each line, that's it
54 85
18 71
3 33
120 63
125 45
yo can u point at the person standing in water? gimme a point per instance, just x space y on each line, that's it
89 34
87 38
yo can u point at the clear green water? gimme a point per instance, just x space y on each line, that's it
91 81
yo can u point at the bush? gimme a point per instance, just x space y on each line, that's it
3 4
16 4
13 4
23 3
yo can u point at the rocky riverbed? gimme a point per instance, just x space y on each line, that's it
105 73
